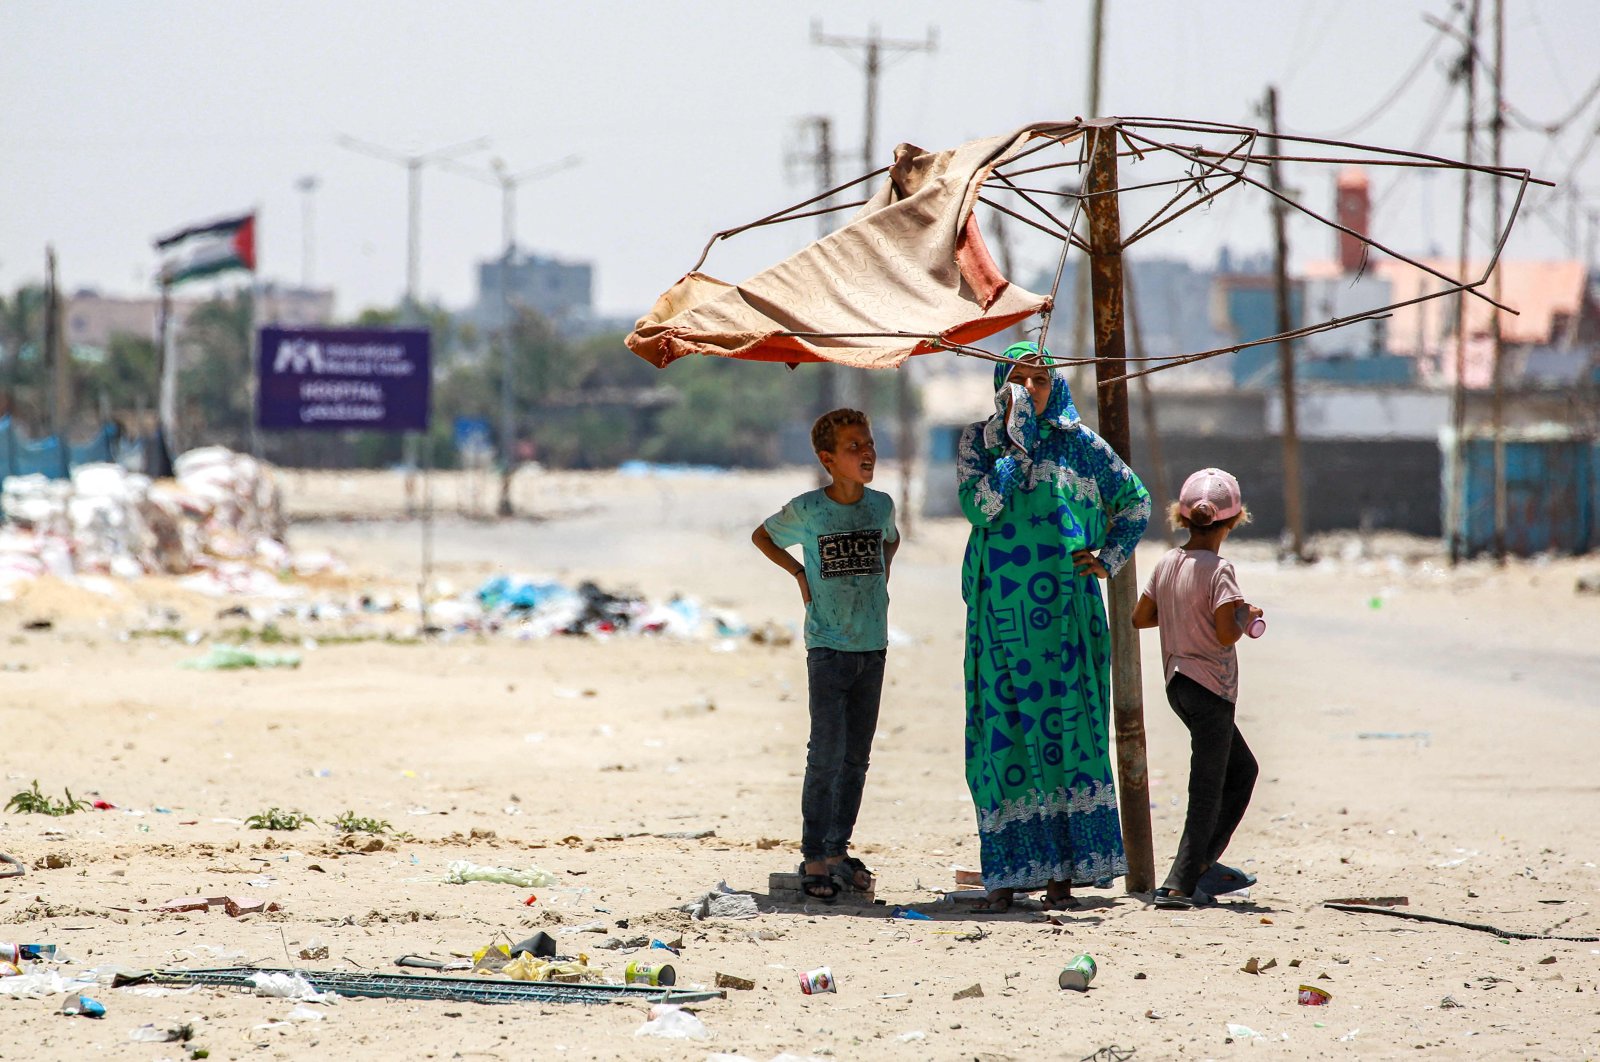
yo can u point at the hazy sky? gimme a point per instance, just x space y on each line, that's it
124 120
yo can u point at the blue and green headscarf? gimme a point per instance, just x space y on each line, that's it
1059 412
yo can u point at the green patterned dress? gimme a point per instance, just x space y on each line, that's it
1038 648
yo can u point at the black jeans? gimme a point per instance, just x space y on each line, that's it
1222 775
844 715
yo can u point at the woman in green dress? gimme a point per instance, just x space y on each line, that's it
1053 510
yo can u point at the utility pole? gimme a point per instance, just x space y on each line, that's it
411 314
413 165
1110 350
55 354
508 183
307 186
1080 313
1294 517
831 378
872 48
1496 129
1156 462
1458 410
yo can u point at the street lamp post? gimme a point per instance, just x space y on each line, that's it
501 177
413 164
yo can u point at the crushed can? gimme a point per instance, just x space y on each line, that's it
818 980
1314 997
646 973
1078 973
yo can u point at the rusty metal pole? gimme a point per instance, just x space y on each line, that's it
1110 349
1497 124
1293 509
1458 412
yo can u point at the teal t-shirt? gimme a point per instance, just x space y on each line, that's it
843 548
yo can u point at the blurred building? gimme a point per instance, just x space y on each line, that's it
92 319
561 291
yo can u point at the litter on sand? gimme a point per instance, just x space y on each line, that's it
237 657
80 1006
232 906
287 985
722 905
462 871
672 1022
37 984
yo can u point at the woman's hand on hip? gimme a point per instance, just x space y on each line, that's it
1087 563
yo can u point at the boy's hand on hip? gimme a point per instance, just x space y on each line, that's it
1087 563
805 587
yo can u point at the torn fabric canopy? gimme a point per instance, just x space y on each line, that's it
909 272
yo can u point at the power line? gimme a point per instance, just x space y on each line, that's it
1394 94
1560 124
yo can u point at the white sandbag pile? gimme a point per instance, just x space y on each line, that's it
221 518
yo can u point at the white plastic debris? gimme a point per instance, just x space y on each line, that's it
150 1034
462 871
36 984
673 1023
289 986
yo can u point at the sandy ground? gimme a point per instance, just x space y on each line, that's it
578 756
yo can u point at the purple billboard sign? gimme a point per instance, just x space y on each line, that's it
371 379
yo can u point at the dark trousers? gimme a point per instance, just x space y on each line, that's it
845 688
1222 775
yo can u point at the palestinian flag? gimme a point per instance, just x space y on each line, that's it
201 250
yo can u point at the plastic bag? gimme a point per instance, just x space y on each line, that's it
289 986
462 871
526 967
36 984
673 1023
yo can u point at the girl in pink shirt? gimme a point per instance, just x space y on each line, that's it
1194 597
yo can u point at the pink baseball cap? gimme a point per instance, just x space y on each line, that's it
1208 496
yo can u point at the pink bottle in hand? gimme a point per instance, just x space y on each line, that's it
1255 628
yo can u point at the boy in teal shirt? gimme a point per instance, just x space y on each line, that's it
847 539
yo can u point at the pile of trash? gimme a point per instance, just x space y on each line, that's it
530 607
220 518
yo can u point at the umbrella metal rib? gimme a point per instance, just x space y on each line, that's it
1229 165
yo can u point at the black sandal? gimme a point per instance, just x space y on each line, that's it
848 869
810 883
1061 901
1220 878
1168 900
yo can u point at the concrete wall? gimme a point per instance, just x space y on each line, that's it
1346 484
1388 484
